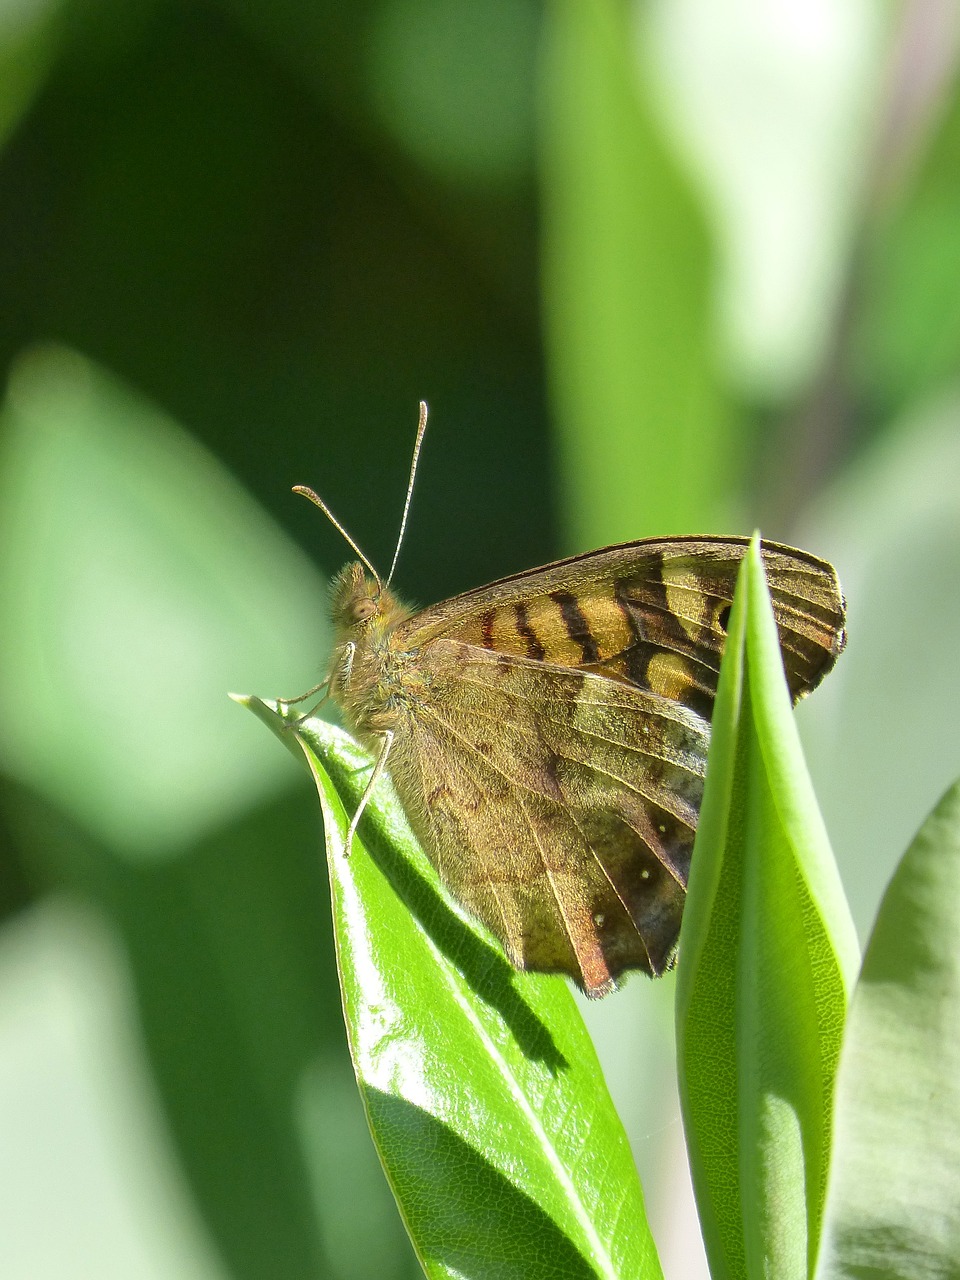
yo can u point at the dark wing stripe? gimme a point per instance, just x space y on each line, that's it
578 629
797 612
486 628
634 657
535 649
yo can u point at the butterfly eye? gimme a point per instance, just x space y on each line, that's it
363 609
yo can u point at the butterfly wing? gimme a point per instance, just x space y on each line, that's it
558 806
652 614
551 740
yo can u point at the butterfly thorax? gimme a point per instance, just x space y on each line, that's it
373 679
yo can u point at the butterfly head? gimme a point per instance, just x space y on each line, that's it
361 608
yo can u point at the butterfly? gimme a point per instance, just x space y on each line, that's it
547 734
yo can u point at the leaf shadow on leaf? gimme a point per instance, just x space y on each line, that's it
502 1231
483 967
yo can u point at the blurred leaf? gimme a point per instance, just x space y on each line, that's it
894 1203
774 109
353 1199
483 1093
29 38
881 735
907 341
451 81
634 1039
768 956
91 1189
137 583
645 442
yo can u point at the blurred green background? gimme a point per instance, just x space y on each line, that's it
679 266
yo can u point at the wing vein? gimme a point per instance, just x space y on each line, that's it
601 706
683 817
447 773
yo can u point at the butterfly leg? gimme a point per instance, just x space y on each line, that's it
378 768
324 684
302 697
289 702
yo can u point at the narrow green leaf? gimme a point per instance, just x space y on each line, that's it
482 1089
768 956
894 1202
628 293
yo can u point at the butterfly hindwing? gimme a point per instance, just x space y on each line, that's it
558 806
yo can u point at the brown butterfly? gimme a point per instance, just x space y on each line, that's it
547 734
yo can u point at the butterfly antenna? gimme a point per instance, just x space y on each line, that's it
421 428
319 502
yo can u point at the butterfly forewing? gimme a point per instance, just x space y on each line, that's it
651 613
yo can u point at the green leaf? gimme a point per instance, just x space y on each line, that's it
906 338
894 1202
767 958
892 517
628 291
135 578
30 35
482 1089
